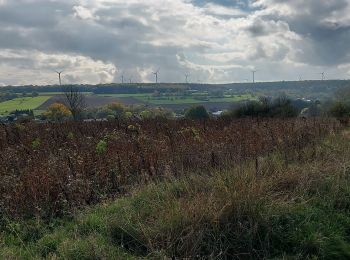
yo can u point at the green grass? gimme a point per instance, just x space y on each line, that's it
38 112
168 100
22 103
298 210
190 100
123 95
59 93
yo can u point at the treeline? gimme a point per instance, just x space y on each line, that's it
58 112
281 107
6 96
113 88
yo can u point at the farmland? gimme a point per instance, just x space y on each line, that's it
198 98
22 104
172 101
178 97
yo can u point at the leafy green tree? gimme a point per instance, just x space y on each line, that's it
117 108
104 113
280 107
197 112
339 110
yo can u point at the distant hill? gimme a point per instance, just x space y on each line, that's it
315 89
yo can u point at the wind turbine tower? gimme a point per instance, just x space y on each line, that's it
122 78
156 74
322 75
187 75
253 72
59 77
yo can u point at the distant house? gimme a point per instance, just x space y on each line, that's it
218 113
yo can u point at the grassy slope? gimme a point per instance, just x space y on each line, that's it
190 100
295 209
148 98
22 103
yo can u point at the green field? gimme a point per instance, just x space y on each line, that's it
190 100
59 93
176 100
124 95
199 98
22 103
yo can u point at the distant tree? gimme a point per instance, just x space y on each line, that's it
75 101
197 112
340 111
57 112
118 109
104 113
146 114
343 94
280 107
35 94
158 112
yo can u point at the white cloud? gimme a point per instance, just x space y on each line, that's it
218 43
24 67
84 13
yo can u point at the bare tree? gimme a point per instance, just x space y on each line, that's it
74 100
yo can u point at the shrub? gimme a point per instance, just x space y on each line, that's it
197 112
280 107
339 110
101 147
36 143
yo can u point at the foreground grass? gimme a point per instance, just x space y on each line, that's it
288 209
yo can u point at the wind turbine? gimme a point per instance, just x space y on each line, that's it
187 75
122 77
156 74
322 75
130 80
59 76
253 72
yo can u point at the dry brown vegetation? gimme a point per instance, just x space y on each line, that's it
47 170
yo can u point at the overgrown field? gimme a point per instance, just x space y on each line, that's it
47 170
280 190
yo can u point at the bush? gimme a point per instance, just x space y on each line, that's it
340 111
36 143
197 112
57 112
278 108
101 147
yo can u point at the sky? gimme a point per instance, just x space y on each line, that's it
219 41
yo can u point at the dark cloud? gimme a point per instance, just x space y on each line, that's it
140 36
319 22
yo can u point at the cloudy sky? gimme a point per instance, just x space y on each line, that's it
215 41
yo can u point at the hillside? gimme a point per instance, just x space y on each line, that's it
295 210
280 190
311 89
